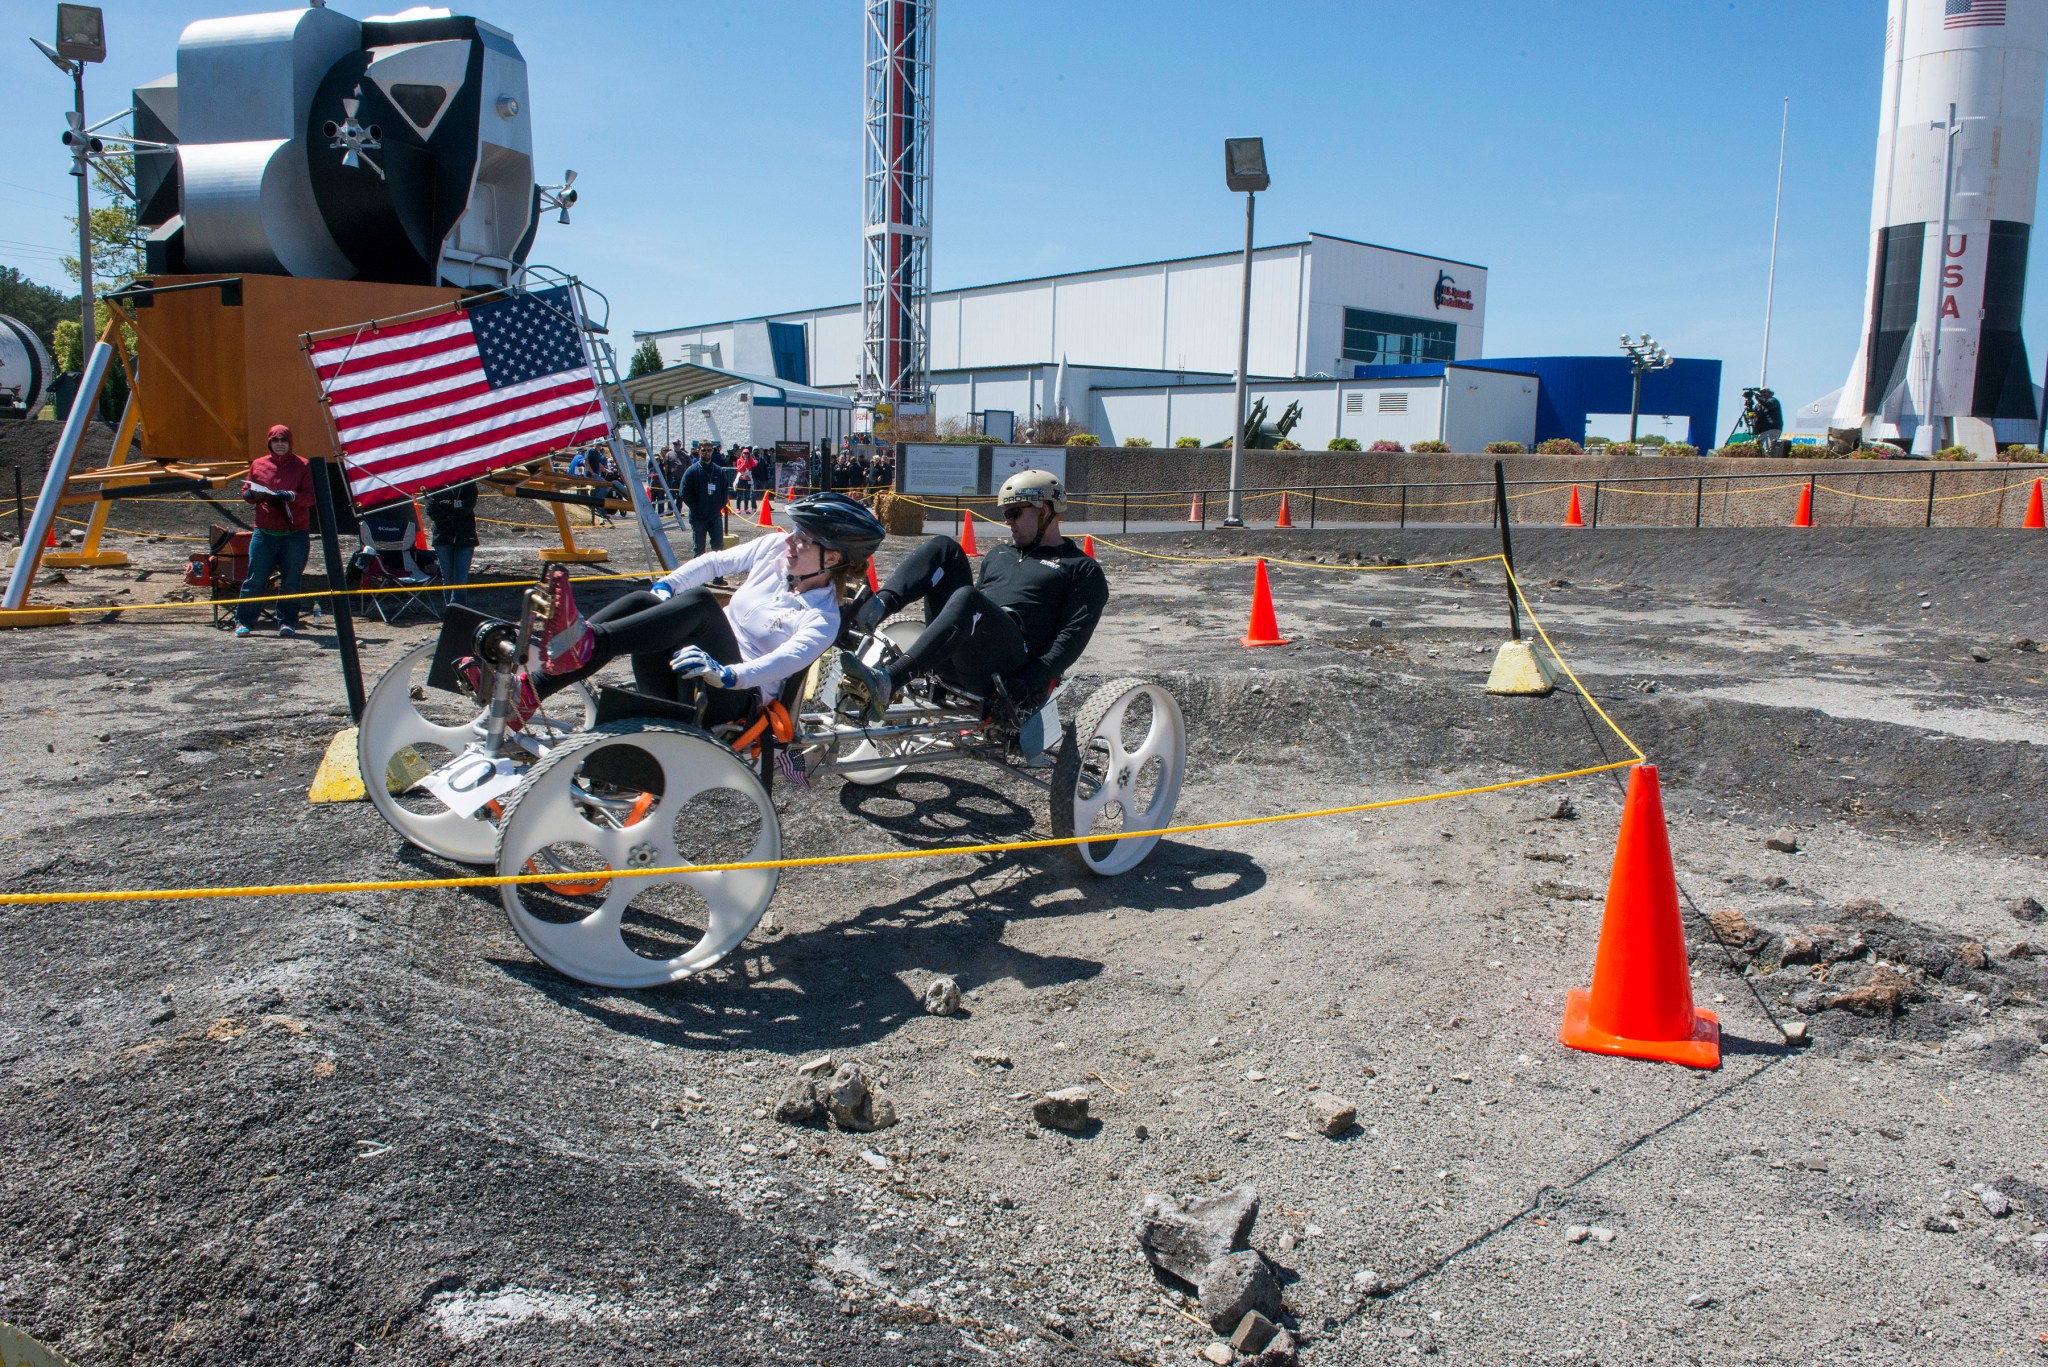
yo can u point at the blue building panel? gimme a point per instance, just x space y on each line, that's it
1575 387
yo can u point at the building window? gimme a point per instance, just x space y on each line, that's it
1392 339
1393 403
1354 402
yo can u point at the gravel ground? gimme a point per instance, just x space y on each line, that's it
370 1127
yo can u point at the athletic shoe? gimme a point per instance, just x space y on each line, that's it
524 703
241 630
287 631
863 685
568 639
469 672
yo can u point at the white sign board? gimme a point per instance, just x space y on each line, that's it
941 469
1005 461
471 781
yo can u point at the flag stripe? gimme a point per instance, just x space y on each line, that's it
368 370
454 371
443 389
455 422
538 441
374 340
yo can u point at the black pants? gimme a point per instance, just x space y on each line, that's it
968 638
651 632
703 529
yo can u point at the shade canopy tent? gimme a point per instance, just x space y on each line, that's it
734 408
678 384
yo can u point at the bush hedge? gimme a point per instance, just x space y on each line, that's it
2020 454
1503 448
1746 450
1136 441
1084 439
1386 448
1955 453
1286 446
1185 442
1343 444
1559 446
1432 447
1679 448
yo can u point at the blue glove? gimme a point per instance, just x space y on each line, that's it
660 589
692 663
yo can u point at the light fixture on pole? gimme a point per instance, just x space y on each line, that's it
1244 169
1643 354
81 38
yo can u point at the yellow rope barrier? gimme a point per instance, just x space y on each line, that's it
886 856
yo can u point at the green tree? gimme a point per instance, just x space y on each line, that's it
37 305
69 355
646 359
119 243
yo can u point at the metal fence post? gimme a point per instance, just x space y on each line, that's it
1404 505
1596 503
1311 509
1507 546
1930 497
1699 497
1127 513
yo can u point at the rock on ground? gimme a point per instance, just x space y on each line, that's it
1234 1286
1182 1236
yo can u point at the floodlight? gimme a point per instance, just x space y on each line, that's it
1244 164
82 33
57 59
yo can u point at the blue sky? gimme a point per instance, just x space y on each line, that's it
1611 163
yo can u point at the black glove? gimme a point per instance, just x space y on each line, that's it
1029 684
873 612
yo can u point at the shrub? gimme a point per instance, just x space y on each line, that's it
1620 448
1184 442
1084 439
1503 448
1955 453
1343 444
1432 447
1747 450
1654 439
1286 446
1386 448
1559 446
2020 454
1680 449
1877 451
1136 441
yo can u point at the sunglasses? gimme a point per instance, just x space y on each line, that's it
1016 510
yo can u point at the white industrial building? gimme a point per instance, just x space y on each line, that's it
1149 350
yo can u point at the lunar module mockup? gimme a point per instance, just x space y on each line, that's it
395 149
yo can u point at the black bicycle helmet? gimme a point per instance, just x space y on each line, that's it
839 523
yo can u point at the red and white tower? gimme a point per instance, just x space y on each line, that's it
896 208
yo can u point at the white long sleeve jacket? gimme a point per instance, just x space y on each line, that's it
780 633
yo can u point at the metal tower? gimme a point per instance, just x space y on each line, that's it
896 206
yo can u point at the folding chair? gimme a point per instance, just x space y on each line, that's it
226 566
385 560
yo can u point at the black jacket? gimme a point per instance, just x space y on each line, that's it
453 513
705 489
1057 594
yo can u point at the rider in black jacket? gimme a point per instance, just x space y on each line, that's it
1023 625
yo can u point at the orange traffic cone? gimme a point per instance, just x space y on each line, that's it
767 517
1640 1005
874 584
1804 517
1195 509
1088 542
419 527
1572 517
1286 518
2034 519
967 534
1265 630
50 539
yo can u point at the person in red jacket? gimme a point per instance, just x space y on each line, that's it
280 484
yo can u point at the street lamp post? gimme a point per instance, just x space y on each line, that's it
1244 168
1643 354
81 38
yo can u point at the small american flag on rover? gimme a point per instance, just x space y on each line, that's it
1972 13
432 401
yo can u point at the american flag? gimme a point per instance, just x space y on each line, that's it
429 402
1972 13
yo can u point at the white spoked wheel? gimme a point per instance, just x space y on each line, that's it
1120 770
409 730
637 795
899 632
